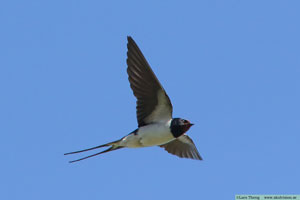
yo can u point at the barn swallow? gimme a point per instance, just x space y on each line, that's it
156 127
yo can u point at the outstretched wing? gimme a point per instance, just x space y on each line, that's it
183 147
153 104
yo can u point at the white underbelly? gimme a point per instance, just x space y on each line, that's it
150 135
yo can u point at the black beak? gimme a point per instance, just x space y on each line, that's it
191 124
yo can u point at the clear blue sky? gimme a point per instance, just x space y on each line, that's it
231 67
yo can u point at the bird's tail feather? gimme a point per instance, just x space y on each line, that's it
113 146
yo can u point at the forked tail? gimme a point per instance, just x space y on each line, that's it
113 146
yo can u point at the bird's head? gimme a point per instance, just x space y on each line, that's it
180 126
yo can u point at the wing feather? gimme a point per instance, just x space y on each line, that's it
182 147
153 104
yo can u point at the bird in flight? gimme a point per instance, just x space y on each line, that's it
156 127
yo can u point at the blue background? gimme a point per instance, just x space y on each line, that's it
231 67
